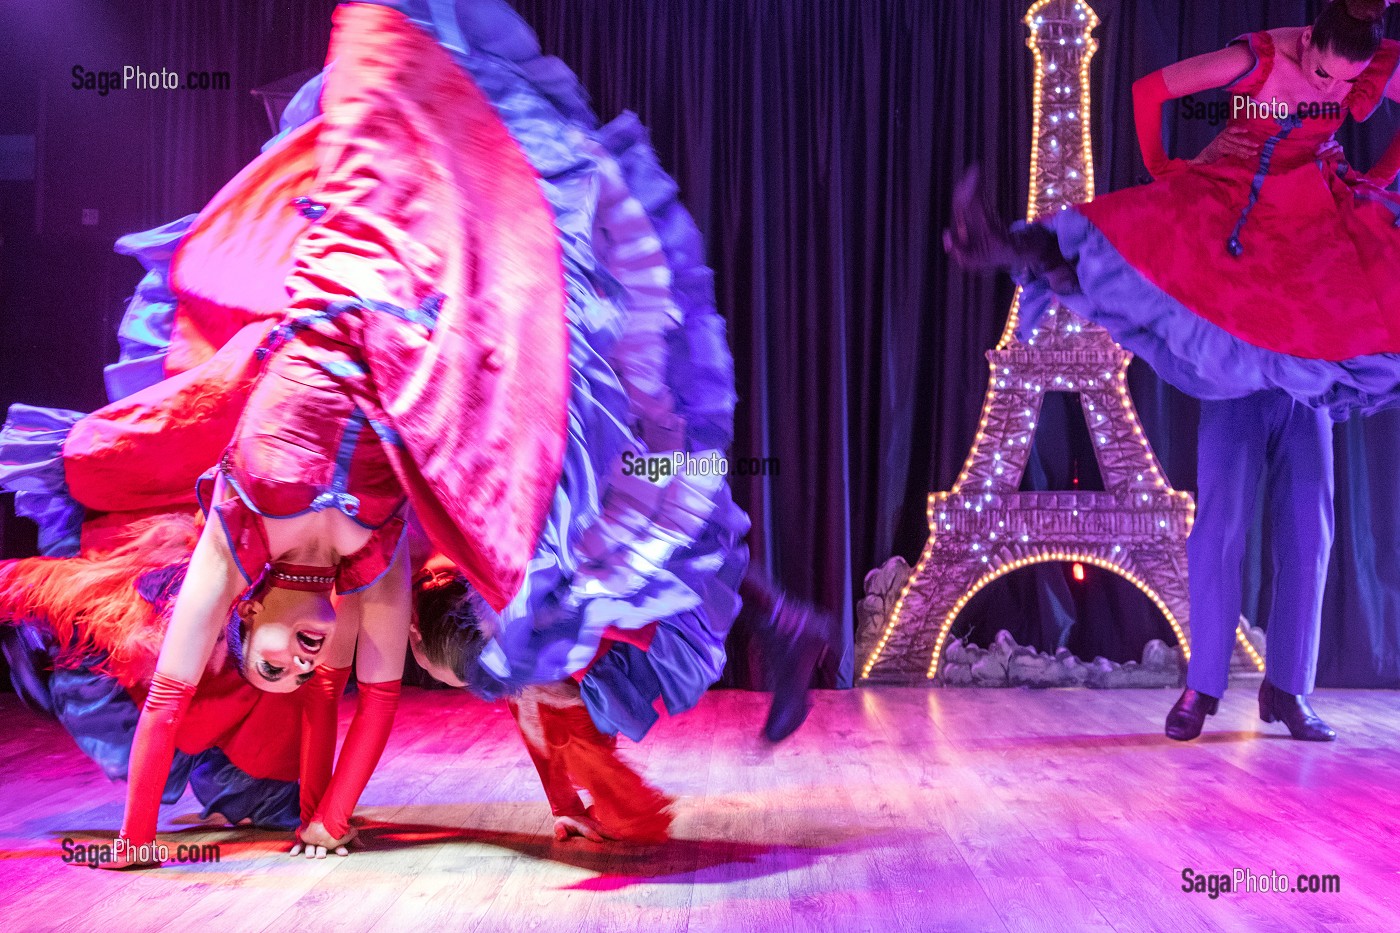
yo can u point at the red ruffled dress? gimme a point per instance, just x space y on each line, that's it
398 258
1247 274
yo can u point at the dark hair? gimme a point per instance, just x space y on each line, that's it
236 640
450 615
236 632
1351 28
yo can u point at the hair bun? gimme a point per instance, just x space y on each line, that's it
1367 11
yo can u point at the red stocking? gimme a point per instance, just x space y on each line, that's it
625 806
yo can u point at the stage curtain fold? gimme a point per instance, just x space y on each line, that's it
817 144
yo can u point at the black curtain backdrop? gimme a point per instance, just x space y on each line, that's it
136 158
816 142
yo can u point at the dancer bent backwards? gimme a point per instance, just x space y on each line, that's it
1274 303
422 357
633 585
302 451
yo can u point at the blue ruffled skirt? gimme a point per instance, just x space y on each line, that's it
651 374
1193 354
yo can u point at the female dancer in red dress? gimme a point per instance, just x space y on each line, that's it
422 359
1273 300
1279 272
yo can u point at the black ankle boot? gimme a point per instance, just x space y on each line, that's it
1294 712
795 638
1189 714
979 239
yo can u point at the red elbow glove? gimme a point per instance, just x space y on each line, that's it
318 729
1149 95
152 751
1383 173
364 744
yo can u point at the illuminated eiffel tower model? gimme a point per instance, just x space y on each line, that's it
984 527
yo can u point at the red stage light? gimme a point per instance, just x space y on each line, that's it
1078 572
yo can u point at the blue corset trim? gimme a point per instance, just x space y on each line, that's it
1234 245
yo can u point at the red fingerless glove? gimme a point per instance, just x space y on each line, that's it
318 727
364 744
152 751
1383 173
1149 94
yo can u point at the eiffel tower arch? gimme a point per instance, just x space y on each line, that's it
985 527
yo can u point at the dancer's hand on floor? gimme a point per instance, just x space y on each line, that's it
315 842
1233 142
126 857
566 827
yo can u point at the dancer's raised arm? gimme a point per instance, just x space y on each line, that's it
381 616
202 608
1191 76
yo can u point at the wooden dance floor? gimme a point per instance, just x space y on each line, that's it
894 809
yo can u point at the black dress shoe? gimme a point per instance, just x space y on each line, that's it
1294 712
1189 714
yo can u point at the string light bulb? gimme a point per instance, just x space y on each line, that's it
987 486
1043 557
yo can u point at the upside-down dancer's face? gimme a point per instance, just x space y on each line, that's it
286 635
1331 74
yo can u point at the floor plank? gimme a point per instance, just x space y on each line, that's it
894 809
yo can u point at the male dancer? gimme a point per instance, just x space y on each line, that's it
1273 437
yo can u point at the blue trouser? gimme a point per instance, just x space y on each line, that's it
1266 436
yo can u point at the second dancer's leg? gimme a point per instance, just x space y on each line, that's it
1233 441
1301 532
